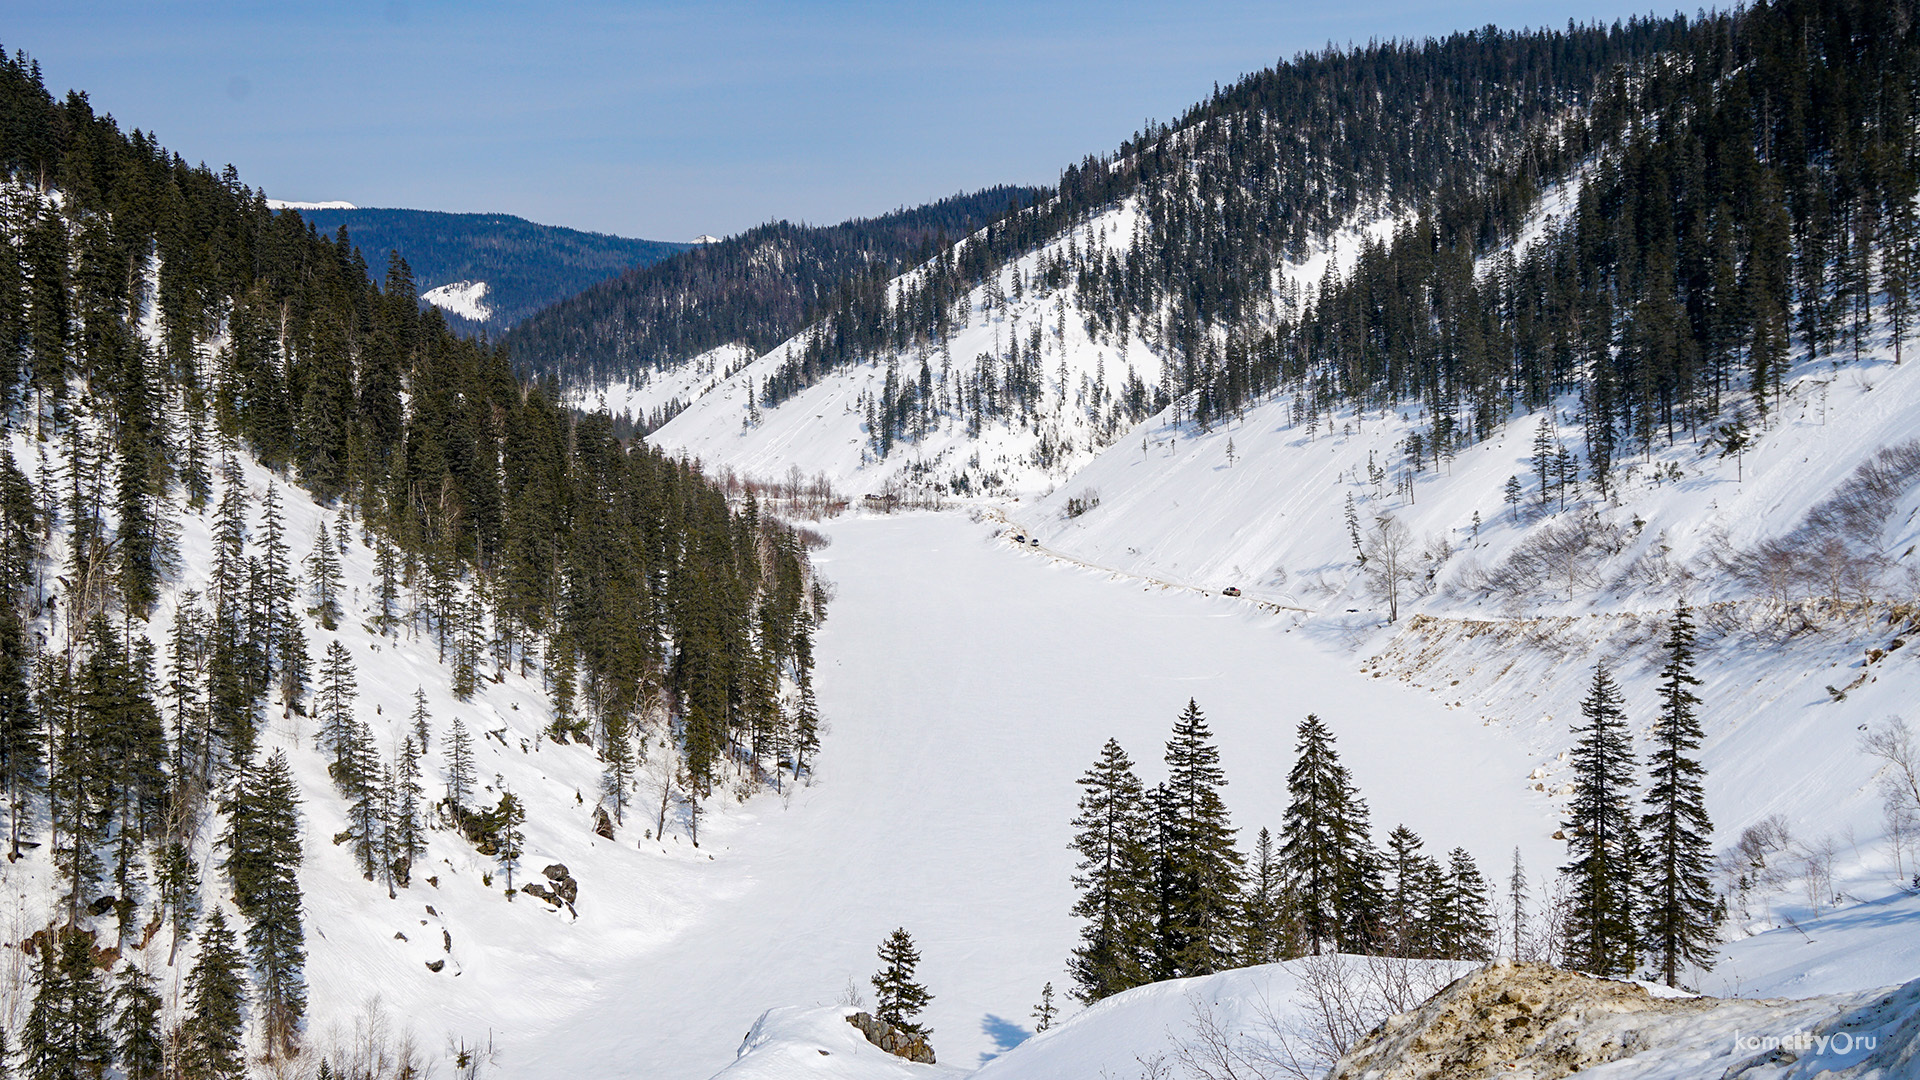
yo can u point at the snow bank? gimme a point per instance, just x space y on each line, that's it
805 1044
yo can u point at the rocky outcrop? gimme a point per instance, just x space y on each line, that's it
1507 1016
562 893
894 1041
602 824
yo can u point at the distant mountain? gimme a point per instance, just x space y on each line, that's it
487 271
754 289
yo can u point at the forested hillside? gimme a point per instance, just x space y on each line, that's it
235 469
523 266
755 289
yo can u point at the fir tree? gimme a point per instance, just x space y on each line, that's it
67 1025
511 842
1265 931
616 775
405 826
333 707
1465 925
460 767
1325 852
211 1047
177 888
323 578
419 717
1679 912
1409 924
897 997
1599 924
22 763
264 865
1200 924
1110 835
1044 1013
136 1025
1517 905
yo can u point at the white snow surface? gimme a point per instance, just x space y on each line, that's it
467 299
638 397
290 204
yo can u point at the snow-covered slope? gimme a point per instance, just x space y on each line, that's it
1082 408
467 299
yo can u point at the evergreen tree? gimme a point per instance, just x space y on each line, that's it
1465 926
22 762
1599 923
1410 923
1325 852
1044 1012
333 707
419 717
1266 935
460 767
1200 923
177 888
1680 915
136 1025
360 782
323 578
66 1034
263 863
511 842
210 1043
1110 835
405 826
897 997
616 775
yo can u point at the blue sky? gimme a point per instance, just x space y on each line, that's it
666 120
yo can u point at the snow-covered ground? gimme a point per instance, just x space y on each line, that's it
968 687
467 299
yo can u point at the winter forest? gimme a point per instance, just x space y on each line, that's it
1484 464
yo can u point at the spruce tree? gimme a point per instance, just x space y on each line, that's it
323 578
510 841
1044 1013
22 761
1600 836
1409 925
616 775
1110 835
1465 928
211 1047
1325 851
136 1025
1266 932
1200 924
897 997
67 1025
405 825
1679 909
264 866
460 767
333 707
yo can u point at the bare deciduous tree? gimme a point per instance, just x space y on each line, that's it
1387 556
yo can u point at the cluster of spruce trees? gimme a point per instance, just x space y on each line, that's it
1246 180
1165 893
1749 191
1745 185
158 325
1640 887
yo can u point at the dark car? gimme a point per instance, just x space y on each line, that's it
1019 539
1035 541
